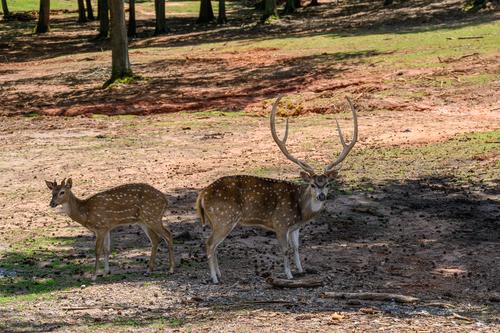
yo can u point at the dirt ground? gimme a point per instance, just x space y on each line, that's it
416 211
421 236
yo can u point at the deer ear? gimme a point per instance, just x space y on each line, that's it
305 176
50 185
332 174
69 183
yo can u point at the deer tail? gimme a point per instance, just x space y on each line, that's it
200 209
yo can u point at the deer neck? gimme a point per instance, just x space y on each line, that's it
75 209
309 205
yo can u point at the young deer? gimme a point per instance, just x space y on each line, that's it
127 204
276 205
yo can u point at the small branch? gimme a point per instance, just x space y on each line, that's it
457 316
471 37
372 297
282 283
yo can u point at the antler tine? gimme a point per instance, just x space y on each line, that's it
346 147
281 143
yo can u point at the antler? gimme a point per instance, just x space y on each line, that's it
281 143
346 147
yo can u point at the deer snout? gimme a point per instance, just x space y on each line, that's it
321 196
53 204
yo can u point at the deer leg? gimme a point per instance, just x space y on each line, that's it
214 240
154 238
283 243
294 242
107 251
162 231
216 262
99 242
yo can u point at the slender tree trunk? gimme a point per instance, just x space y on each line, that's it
270 9
103 18
43 17
5 9
314 3
290 6
132 26
81 12
161 23
90 11
120 64
221 19
206 12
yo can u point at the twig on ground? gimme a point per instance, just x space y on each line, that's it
281 283
457 316
372 297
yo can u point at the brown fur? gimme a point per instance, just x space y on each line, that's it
126 204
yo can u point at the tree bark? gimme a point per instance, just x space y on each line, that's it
43 17
206 12
290 6
161 23
90 11
132 26
103 18
221 19
81 12
270 9
120 64
5 9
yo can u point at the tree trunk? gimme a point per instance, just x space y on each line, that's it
221 19
289 6
161 23
90 11
120 64
270 9
81 12
43 17
5 9
314 3
298 4
103 18
132 26
206 12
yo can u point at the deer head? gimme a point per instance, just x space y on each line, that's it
60 193
318 183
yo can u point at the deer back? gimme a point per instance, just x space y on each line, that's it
251 200
129 203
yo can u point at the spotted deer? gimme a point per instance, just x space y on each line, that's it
139 204
276 205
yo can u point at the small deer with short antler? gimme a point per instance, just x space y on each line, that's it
276 205
127 204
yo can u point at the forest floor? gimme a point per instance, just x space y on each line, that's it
416 211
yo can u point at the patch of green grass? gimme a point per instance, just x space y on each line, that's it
36 267
34 5
467 158
213 113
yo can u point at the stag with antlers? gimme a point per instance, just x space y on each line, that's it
276 205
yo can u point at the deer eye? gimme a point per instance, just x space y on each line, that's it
313 185
61 193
